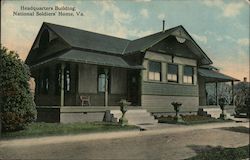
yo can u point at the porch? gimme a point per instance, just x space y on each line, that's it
70 114
214 85
104 79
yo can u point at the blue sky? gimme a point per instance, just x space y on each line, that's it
221 28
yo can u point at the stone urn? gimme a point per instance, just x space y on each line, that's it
222 102
123 108
177 106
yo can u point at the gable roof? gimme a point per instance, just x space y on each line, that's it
146 42
90 41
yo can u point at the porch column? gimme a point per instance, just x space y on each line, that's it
216 93
232 92
106 86
62 84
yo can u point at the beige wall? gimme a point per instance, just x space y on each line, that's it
165 59
156 101
162 94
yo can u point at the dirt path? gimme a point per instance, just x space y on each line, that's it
167 142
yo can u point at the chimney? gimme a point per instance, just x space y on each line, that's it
163 26
245 79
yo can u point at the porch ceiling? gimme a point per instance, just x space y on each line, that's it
88 57
214 76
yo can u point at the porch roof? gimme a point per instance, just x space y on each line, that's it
89 57
214 76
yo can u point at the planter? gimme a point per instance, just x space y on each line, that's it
177 106
123 108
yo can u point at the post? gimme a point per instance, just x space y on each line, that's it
232 92
216 93
62 84
106 86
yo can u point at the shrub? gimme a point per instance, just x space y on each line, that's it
16 100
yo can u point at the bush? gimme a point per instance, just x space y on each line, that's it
16 101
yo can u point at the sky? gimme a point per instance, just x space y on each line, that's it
220 28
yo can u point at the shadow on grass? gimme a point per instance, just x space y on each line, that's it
219 153
41 129
237 129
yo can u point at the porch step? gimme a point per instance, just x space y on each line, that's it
135 117
215 112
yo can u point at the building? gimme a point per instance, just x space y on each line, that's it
150 72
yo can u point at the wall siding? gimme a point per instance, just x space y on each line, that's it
202 91
163 103
168 89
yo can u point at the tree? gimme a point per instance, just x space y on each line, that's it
242 98
16 100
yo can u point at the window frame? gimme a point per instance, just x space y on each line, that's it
188 76
67 71
177 74
101 71
155 80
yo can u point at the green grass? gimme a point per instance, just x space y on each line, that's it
190 120
52 129
220 153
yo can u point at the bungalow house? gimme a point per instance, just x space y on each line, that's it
82 74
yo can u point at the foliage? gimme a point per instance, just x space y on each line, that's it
242 95
224 90
220 153
188 119
16 101
49 129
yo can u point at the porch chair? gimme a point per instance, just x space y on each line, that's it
85 99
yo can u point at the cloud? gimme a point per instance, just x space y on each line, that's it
232 9
211 3
228 9
161 16
110 7
200 38
243 42
142 0
144 13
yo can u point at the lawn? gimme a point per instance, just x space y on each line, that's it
189 119
51 129
220 153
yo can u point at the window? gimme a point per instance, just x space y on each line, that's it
188 75
102 80
154 71
67 78
172 75
58 79
44 86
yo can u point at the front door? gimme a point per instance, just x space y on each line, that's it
133 87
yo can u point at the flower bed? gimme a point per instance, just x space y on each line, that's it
189 119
